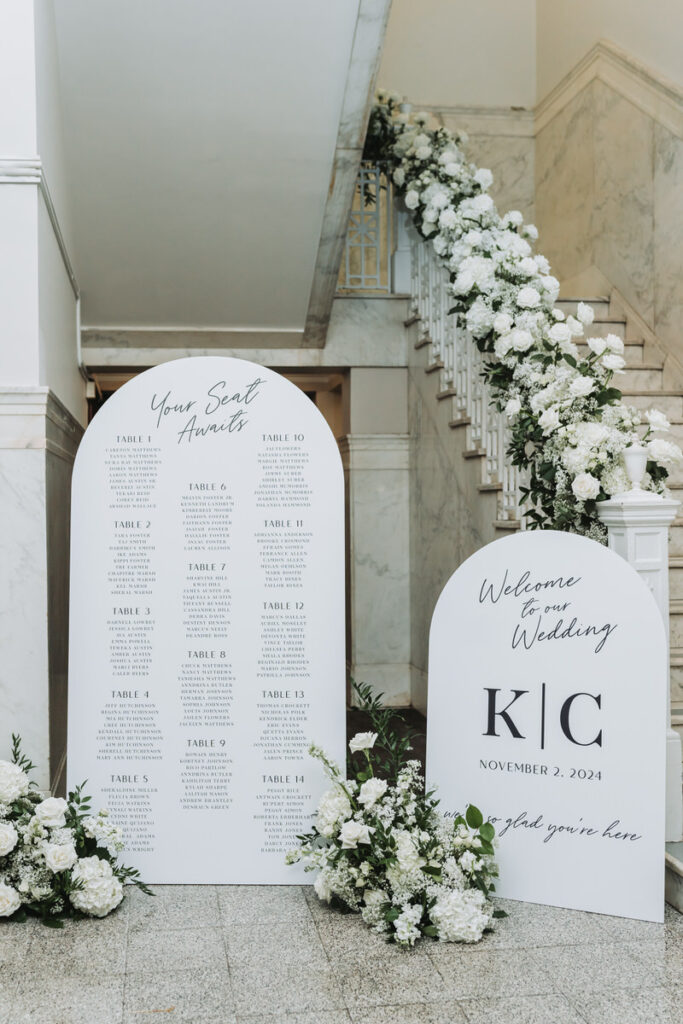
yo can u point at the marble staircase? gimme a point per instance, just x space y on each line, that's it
644 384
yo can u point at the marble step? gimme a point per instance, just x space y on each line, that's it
633 351
669 402
646 377
601 328
600 306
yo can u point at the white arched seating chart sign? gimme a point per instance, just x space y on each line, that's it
207 618
547 710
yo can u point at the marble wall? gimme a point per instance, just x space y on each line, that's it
609 198
503 141
376 471
38 442
449 518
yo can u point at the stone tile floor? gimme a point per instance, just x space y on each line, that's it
268 954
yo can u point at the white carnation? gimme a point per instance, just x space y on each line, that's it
513 217
585 486
13 782
371 791
513 408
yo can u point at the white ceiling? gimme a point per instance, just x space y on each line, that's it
199 139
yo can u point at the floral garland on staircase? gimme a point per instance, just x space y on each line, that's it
568 423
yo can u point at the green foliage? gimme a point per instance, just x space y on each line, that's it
394 737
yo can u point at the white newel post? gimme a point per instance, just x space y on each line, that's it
638 529
401 257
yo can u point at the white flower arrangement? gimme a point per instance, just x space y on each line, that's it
56 858
383 850
504 295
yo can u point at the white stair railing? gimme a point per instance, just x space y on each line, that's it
461 366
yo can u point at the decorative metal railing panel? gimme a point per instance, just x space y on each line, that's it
385 254
366 266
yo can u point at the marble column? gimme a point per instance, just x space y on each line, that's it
38 442
376 470
638 527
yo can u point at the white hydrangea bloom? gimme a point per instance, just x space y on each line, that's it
13 782
101 891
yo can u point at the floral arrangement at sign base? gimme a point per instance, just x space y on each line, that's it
569 426
382 848
57 859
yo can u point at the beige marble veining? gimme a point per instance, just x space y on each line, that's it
565 187
668 239
623 216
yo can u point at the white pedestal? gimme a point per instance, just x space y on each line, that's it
638 529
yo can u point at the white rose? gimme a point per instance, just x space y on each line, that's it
613 362
527 266
502 322
597 345
615 344
371 791
513 407
664 452
13 782
503 345
468 861
399 176
452 169
531 231
411 199
101 891
484 178
550 286
585 486
581 386
513 217
448 218
463 283
521 340
9 900
51 812
575 327
60 857
528 298
8 838
657 419
362 741
585 313
352 833
559 332
423 152
549 420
